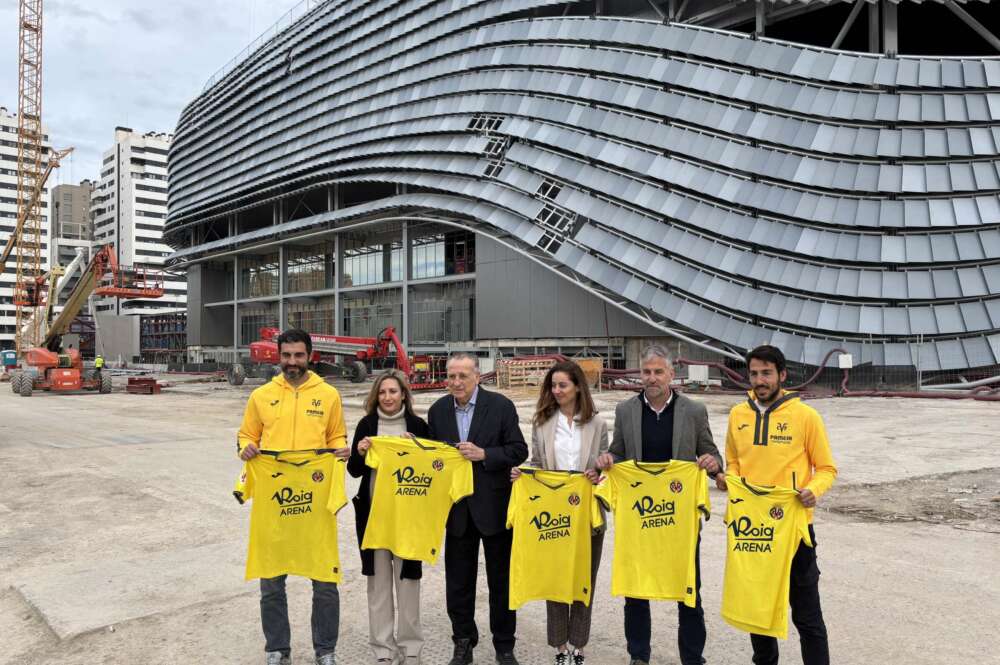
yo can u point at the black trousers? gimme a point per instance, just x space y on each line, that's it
807 615
461 568
691 633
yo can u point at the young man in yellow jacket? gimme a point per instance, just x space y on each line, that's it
296 410
775 439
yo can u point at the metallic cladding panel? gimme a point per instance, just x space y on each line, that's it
746 189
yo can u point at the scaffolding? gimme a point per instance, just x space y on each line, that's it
163 338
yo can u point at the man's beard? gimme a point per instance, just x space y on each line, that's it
770 397
292 371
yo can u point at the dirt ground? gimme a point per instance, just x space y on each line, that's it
120 541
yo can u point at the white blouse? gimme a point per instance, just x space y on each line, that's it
567 443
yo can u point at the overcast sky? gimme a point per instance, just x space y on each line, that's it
134 63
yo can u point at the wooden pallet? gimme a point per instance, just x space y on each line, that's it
520 373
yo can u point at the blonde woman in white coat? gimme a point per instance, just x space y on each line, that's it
568 435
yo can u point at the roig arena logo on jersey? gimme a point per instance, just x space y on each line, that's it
653 514
411 483
551 527
750 538
292 502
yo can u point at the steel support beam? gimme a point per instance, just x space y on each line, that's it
760 18
874 28
681 10
970 21
848 24
890 28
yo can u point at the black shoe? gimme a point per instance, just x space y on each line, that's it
462 654
506 658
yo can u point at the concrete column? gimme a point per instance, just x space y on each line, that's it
405 332
337 323
236 307
282 278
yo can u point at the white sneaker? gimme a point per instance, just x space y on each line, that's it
562 658
276 658
326 659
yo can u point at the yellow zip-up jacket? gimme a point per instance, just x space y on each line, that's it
786 445
280 417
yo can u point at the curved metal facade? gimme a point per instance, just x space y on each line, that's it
739 190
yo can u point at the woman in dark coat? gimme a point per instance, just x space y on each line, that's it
389 412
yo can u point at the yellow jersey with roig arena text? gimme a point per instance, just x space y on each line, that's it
293 518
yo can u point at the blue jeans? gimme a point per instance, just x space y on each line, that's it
274 616
691 632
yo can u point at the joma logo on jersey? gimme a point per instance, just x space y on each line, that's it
654 514
293 503
411 483
750 538
551 526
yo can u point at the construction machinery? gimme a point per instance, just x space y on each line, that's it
47 366
341 356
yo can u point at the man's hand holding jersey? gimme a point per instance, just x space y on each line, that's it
709 463
471 451
605 461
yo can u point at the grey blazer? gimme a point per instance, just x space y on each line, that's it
593 442
692 433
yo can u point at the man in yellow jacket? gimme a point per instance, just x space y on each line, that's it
775 439
296 410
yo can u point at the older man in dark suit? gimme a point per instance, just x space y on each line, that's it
484 425
659 425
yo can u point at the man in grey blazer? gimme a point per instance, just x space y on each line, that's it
659 425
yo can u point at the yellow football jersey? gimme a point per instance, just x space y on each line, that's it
293 519
658 509
764 526
416 484
553 514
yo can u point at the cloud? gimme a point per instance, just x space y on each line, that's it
108 64
74 10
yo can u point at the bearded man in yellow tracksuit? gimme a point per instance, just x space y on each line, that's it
775 439
296 410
